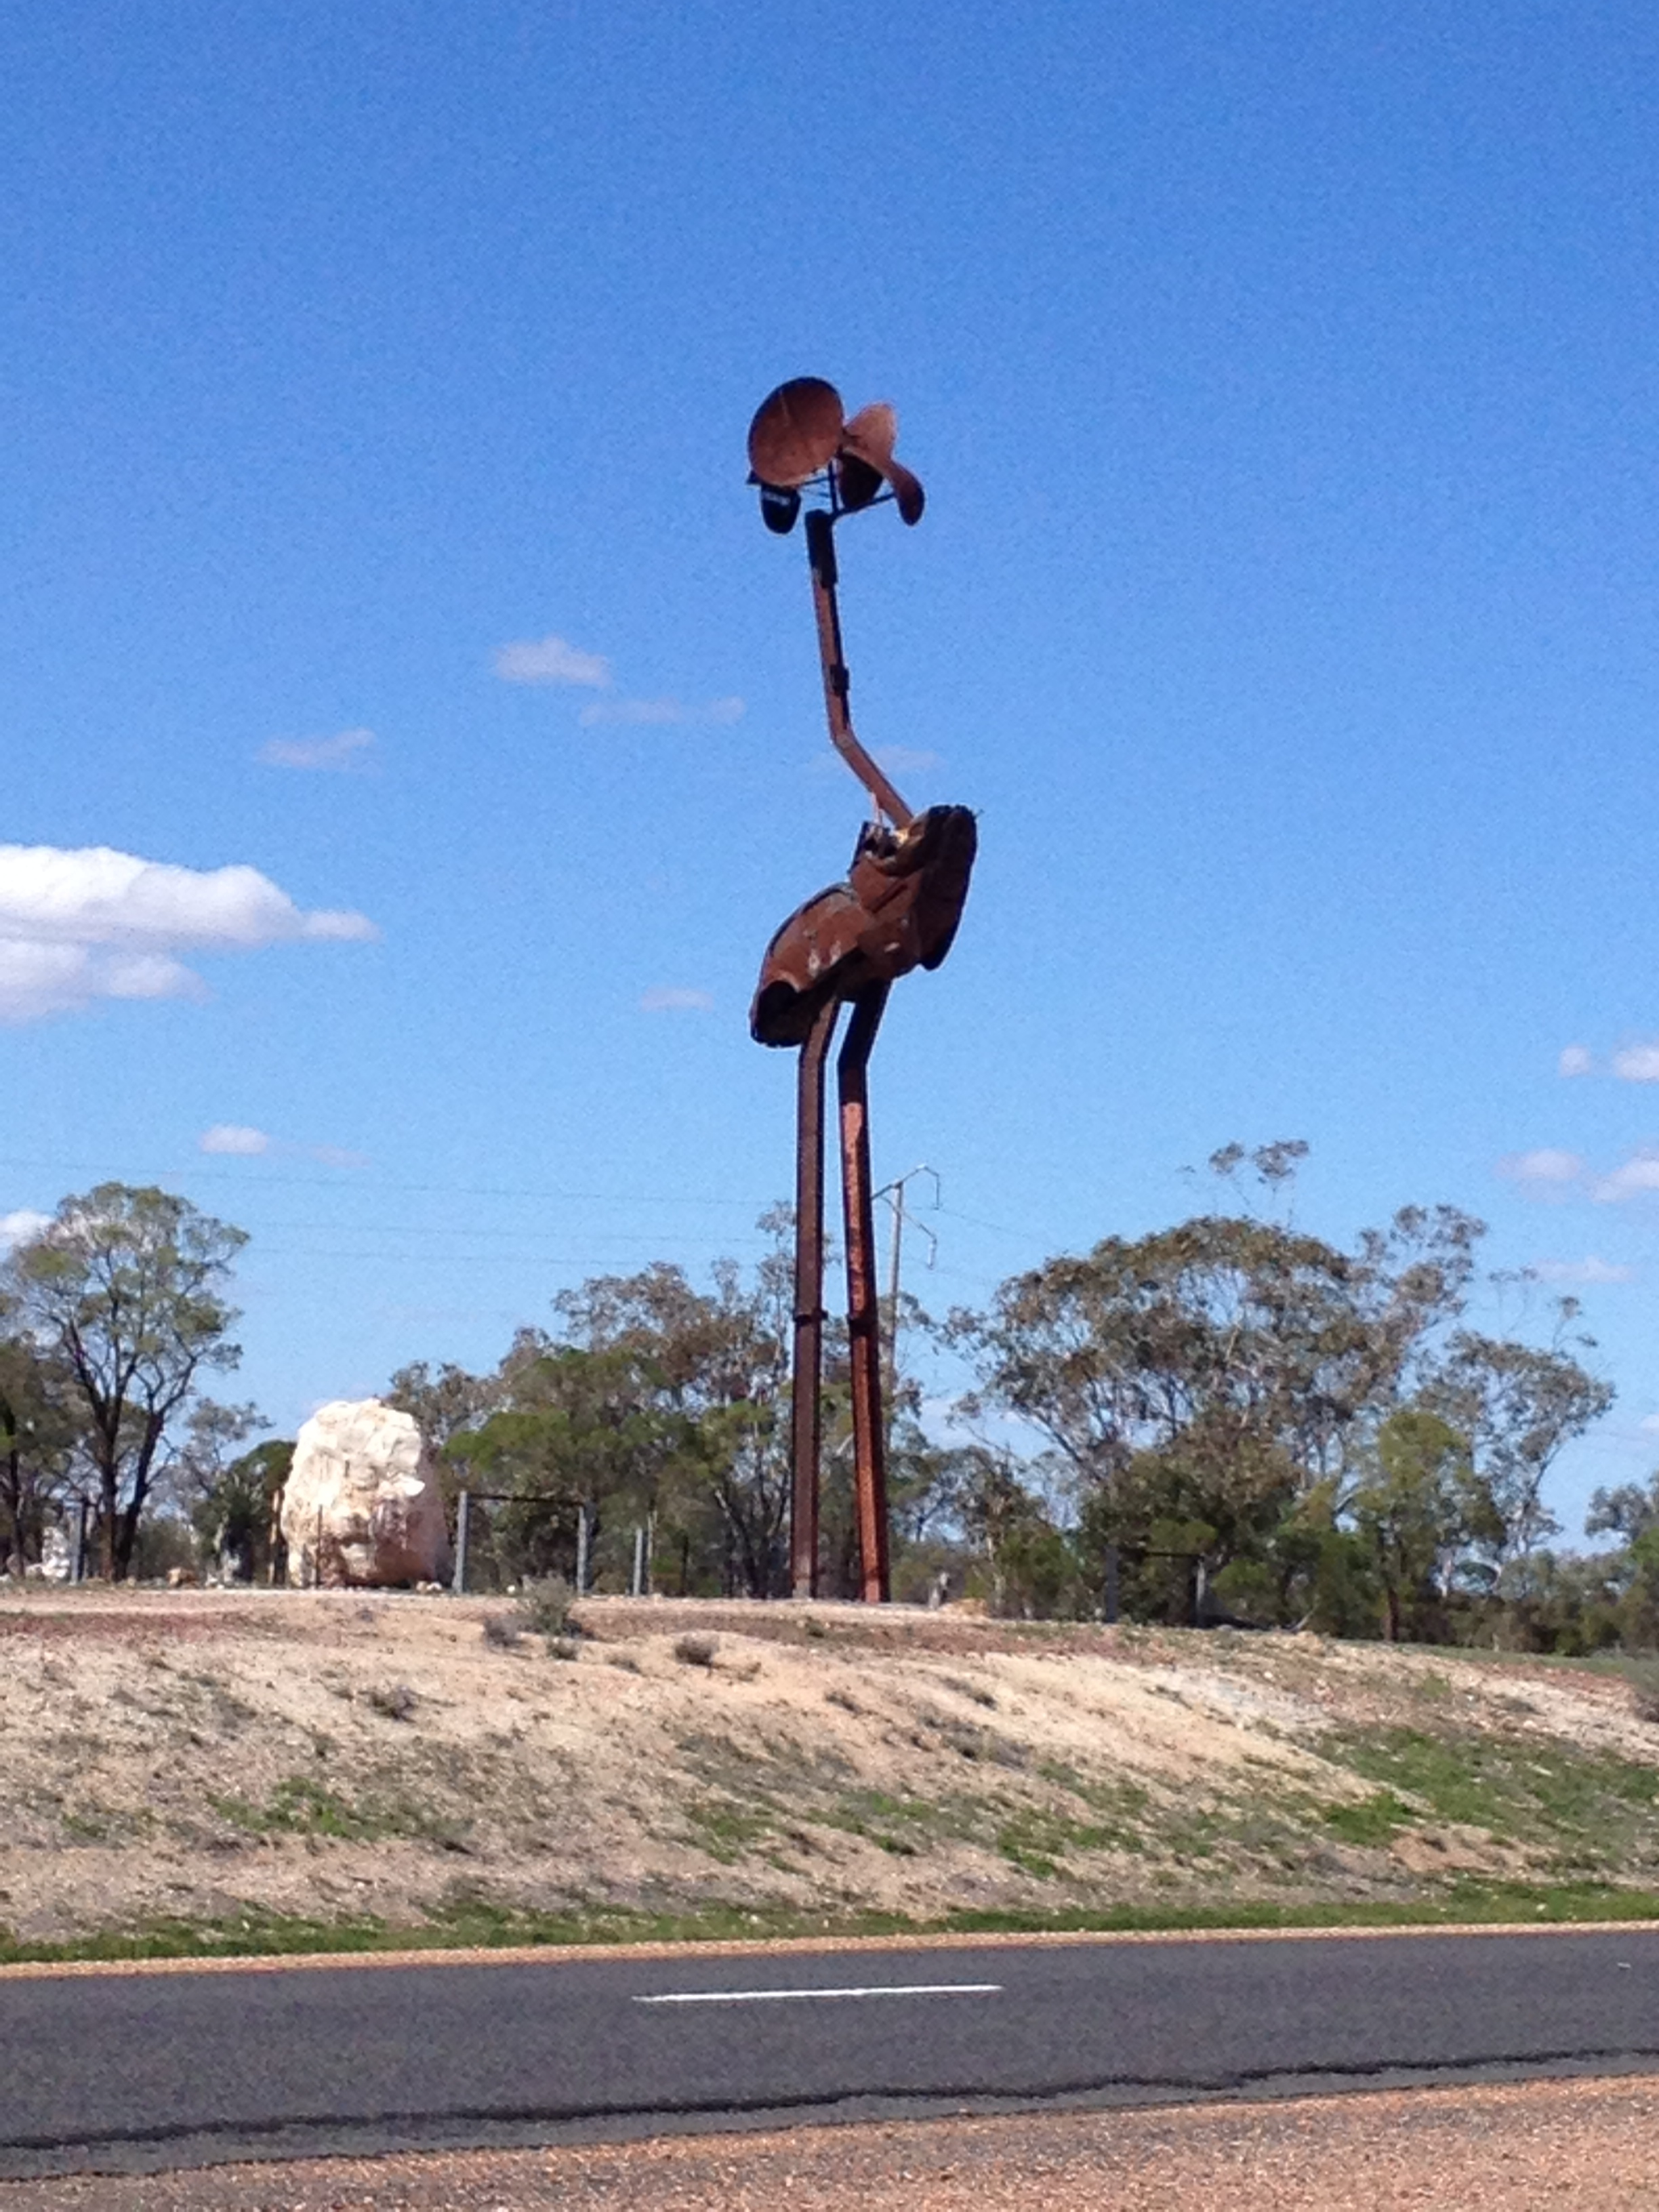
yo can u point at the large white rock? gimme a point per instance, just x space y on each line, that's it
57 1555
360 1506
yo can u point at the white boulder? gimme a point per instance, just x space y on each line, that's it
57 1555
362 1507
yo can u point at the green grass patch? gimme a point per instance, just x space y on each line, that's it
903 1826
1590 1810
1374 1819
1036 1841
1123 1803
477 1924
726 1831
301 1806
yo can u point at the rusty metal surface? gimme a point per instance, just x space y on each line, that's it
799 433
898 909
863 1296
837 682
795 433
866 463
806 1364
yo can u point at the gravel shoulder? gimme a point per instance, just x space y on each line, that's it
1592 2145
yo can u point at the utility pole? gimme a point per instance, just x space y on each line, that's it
894 1194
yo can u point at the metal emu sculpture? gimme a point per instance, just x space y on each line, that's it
898 909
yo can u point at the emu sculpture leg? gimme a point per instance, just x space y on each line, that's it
863 1302
806 1369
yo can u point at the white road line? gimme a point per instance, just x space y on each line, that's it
780 1996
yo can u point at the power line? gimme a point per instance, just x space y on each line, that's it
423 1229
256 1180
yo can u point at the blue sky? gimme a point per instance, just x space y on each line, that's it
1284 382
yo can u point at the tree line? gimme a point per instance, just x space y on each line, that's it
1227 1420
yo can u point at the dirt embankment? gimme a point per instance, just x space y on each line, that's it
252 1760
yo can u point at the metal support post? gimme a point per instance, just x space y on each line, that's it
862 1298
638 1589
463 1509
806 1367
581 1552
821 553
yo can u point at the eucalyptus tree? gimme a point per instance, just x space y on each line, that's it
721 1360
580 1432
1215 1369
1519 1405
36 1437
1218 1387
124 1289
1419 1509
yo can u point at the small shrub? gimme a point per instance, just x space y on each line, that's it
397 1702
563 1647
844 1698
502 1632
973 1690
696 1651
545 1606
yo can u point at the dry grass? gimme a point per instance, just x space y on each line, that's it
198 1756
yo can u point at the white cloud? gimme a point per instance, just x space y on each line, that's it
341 753
666 999
239 1141
1544 1166
906 759
659 711
1590 1270
1649 1422
555 660
1577 1060
551 660
19 1225
1634 1178
233 1137
1637 1063
36 980
77 926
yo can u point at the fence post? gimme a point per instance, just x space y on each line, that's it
316 1554
458 1582
639 1561
581 1552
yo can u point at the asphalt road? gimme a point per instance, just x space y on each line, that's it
125 2072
